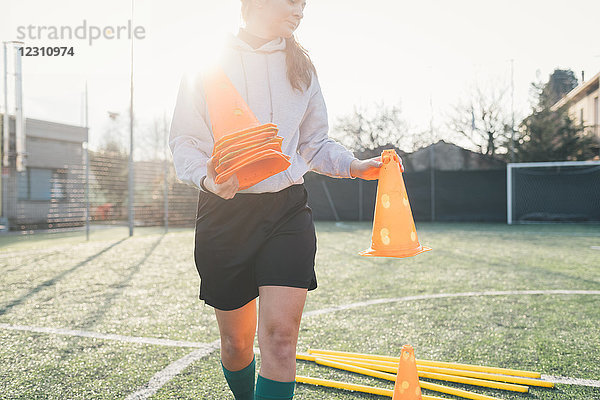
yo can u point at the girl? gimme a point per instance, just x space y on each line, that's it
260 241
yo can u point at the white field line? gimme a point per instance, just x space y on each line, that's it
106 336
570 381
595 247
445 295
165 375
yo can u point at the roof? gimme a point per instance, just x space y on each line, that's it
51 130
578 92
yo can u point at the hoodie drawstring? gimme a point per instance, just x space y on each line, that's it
245 78
268 82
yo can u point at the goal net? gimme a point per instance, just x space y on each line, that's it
553 192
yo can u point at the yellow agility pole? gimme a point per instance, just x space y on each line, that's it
358 370
311 357
488 376
432 375
305 357
391 377
457 392
474 381
354 387
480 368
354 355
343 385
510 379
440 364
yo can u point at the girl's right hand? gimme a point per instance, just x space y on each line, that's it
227 189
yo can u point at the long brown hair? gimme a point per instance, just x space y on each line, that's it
299 64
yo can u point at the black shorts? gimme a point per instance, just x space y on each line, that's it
252 240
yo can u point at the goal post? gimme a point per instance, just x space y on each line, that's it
566 191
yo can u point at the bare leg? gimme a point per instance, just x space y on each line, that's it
280 311
237 328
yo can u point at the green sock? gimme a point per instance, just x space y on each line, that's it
241 382
267 389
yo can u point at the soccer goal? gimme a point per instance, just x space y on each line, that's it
566 191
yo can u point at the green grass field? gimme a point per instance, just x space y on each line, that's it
146 286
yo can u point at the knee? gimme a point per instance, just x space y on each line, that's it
236 344
279 342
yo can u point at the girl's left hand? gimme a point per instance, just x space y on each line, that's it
368 169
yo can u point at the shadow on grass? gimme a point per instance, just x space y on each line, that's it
118 289
35 260
52 281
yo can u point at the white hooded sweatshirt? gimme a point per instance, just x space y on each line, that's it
260 76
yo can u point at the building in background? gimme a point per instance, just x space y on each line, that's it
584 106
50 192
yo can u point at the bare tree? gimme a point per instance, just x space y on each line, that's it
113 139
363 130
424 138
483 120
151 141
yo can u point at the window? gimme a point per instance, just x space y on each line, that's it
41 184
596 116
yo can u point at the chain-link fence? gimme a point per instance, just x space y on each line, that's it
53 198
46 197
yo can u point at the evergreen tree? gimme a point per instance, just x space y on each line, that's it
547 135
561 82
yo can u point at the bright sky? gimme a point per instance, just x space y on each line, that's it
399 52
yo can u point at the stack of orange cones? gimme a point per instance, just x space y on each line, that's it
394 232
243 146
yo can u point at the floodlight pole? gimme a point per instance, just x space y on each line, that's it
20 135
131 180
512 110
166 198
5 134
19 123
87 168
432 160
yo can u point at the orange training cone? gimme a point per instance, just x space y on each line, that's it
394 232
228 111
266 130
234 125
243 144
250 172
407 385
233 157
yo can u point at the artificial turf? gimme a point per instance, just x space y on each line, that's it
147 286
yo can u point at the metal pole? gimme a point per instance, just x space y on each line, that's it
5 125
21 160
335 214
509 194
5 133
512 110
166 174
432 179
131 180
87 168
432 160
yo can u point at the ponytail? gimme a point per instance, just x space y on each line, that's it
299 65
